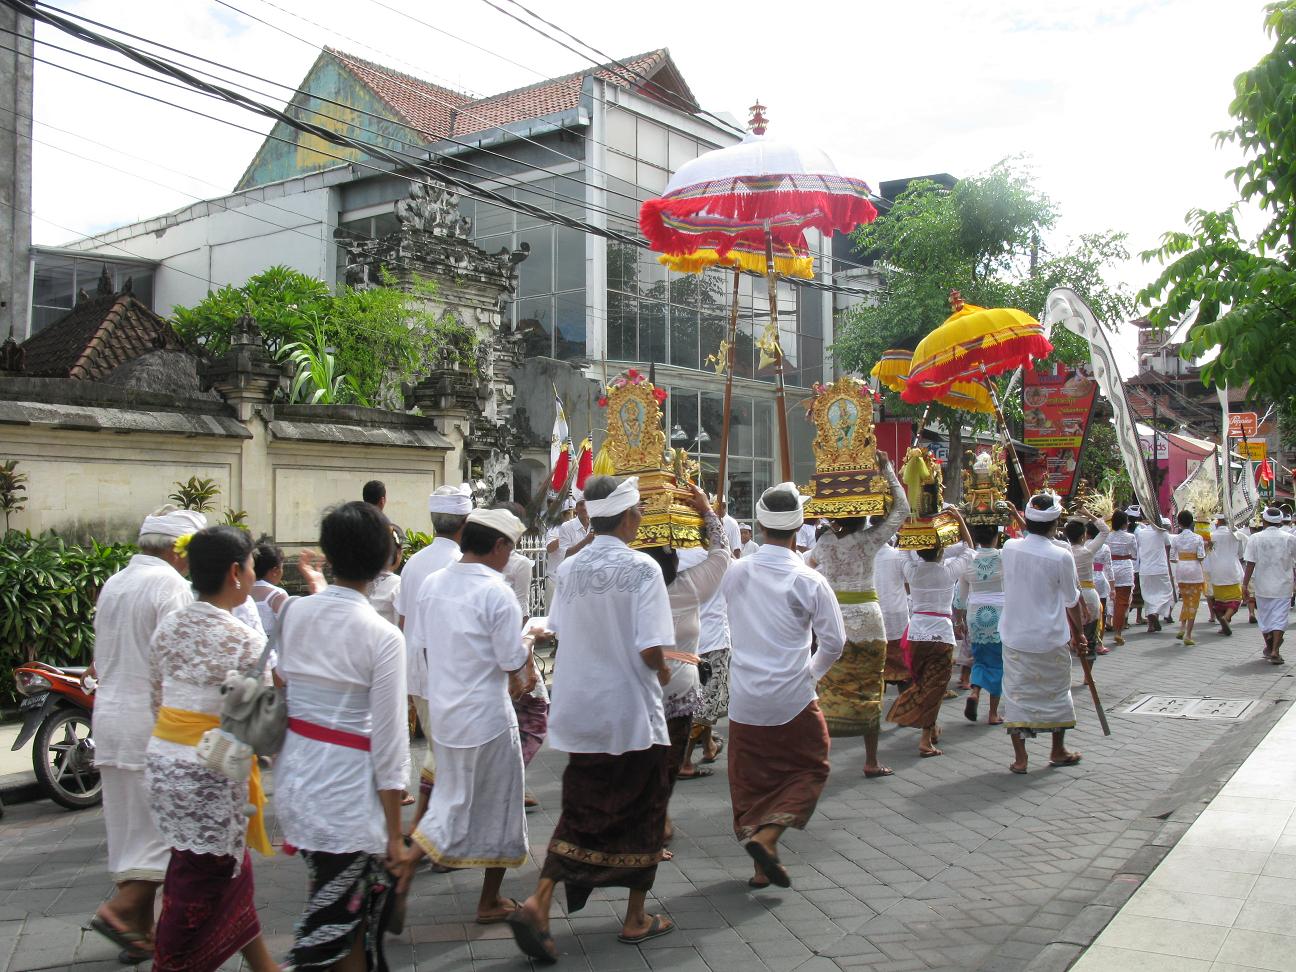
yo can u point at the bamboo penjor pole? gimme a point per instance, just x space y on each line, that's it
722 488
780 395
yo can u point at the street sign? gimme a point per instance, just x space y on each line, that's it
1243 424
1255 451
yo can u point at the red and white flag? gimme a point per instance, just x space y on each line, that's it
560 449
584 463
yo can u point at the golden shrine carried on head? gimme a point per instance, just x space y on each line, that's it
985 487
636 446
846 482
929 524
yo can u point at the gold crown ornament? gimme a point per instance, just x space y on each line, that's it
846 482
636 446
985 484
929 524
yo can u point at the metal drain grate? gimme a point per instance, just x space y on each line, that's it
1184 707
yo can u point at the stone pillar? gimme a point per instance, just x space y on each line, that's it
15 174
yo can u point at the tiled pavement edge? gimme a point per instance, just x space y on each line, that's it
952 864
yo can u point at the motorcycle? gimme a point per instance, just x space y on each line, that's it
56 710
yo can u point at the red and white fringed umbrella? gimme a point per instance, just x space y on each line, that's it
761 193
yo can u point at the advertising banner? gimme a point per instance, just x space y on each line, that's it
1255 451
1057 406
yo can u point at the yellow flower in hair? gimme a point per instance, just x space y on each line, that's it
181 546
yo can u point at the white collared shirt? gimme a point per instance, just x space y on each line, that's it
732 532
437 555
931 590
775 603
470 631
517 574
131 605
1040 583
1187 543
889 581
345 669
1224 560
1151 549
1273 551
610 604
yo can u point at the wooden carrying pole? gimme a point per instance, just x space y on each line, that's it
1087 665
722 487
780 394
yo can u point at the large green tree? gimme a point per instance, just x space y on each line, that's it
352 347
989 237
1244 290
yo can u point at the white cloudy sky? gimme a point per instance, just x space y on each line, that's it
1114 103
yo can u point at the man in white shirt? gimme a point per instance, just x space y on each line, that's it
449 507
1155 580
611 613
749 546
470 628
131 605
733 533
778 739
1041 625
1270 559
1224 567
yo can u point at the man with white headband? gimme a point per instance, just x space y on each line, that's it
1155 580
568 538
611 613
778 739
469 626
131 605
449 507
1270 559
1041 626
1224 567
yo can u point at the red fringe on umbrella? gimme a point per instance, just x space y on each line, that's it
934 381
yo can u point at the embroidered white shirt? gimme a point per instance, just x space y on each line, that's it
1040 583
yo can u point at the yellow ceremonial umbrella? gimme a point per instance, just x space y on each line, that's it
789 260
892 370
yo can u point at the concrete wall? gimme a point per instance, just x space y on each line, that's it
15 171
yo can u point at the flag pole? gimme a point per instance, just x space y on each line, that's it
730 347
780 393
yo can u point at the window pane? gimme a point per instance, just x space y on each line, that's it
652 143
620 130
623 203
384 224
652 331
571 192
537 193
811 361
684 337
651 179
622 263
569 259
622 328
740 427
683 415
711 331
535 324
652 275
810 312
711 406
741 498
535 273
762 479
492 219
682 149
493 244
52 284
763 427
569 317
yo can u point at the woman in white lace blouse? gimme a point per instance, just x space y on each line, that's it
207 908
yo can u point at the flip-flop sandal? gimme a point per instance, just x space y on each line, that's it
1071 760
127 957
1019 770
929 753
758 885
408 801
1276 660
659 927
128 941
697 774
994 722
877 774
500 919
718 750
768 864
531 940
970 708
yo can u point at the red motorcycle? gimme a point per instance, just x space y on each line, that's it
56 710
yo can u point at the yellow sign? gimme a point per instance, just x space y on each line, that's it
1255 451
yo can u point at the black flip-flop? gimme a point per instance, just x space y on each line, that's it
697 774
769 864
127 941
970 708
502 918
656 929
531 940
877 774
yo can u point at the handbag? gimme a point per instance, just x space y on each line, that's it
253 712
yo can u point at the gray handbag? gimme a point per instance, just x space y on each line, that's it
253 712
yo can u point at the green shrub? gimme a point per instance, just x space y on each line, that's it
48 590
414 542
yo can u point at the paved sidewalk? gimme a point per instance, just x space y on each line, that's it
952 864
1224 899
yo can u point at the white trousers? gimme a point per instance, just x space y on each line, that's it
136 851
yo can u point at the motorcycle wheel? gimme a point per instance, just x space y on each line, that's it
63 759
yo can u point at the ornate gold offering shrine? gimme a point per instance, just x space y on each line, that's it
636 444
846 482
985 484
929 524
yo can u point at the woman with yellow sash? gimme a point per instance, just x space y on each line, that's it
208 819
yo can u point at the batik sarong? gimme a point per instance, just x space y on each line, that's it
715 693
207 912
1037 690
1272 612
476 816
850 694
343 890
776 773
983 635
919 705
896 671
533 724
613 822
1190 594
678 728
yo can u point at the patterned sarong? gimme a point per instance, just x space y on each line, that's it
343 890
896 670
1190 594
1037 690
715 693
850 695
533 724
919 705
776 773
987 648
207 912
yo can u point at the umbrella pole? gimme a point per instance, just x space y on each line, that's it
922 424
722 488
780 394
1007 436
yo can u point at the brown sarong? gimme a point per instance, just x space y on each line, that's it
896 670
919 704
850 694
207 912
613 822
678 729
1120 606
776 773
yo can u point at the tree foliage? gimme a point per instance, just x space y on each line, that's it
361 343
1244 291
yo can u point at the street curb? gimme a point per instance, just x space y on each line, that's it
1200 783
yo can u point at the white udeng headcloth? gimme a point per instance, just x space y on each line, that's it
791 519
177 523
455 500
501 521
618 501
1043 516
1272 514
